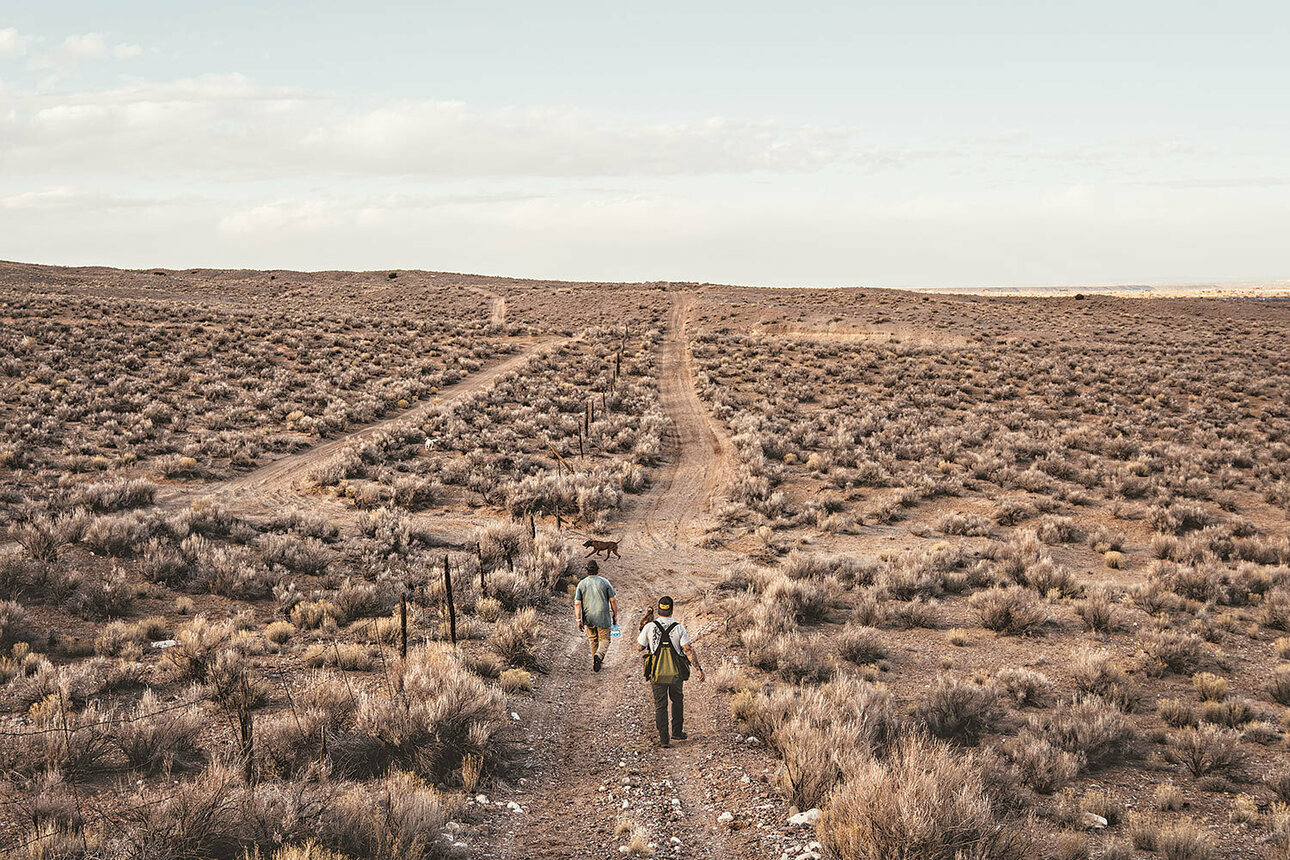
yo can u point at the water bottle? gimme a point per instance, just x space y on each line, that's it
615 631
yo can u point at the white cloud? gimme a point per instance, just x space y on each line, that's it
217 124
276 219
77 48
12 44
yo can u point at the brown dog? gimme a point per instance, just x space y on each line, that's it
646 618
608 547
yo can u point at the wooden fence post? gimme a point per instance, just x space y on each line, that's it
403 626
452 610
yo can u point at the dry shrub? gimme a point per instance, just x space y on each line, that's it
59 739
437 714
1206 749
1090 727
515 680
1278 782
305 851
1276 609
1012 611
1026 687
1279 685
1045 576
924 802
802 659
1184 840
1070 846
278 632
198 643
1176 713
1168 797
1210 687
1097 611
860 645
1097 671
823 733
515 639
959 710
154 738
808 601
312 614
1041 765
14 626
400 817
1174 651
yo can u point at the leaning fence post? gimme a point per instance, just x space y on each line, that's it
452 610
403 626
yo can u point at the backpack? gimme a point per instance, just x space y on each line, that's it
666 665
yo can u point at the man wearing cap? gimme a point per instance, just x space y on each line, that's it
596 611
649 641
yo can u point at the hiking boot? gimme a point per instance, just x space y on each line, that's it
665 745
679 736
596 662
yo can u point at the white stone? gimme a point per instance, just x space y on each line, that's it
1093 821
481 799
805 819
725 817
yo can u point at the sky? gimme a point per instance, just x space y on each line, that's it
919 144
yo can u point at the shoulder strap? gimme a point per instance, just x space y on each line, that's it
664 634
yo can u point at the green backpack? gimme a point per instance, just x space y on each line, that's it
666 665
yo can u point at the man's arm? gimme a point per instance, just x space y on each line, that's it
613 607
694 660
577 612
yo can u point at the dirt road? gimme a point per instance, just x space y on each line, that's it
594 759
276 483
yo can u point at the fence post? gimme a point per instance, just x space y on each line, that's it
403 626
452 610
246 732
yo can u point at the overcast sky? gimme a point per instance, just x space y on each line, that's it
898 143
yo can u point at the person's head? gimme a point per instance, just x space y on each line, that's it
592 568
664 606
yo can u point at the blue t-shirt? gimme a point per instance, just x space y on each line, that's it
594 593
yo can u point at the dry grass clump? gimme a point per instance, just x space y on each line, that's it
1089 727
153 738
1210 687
1206 749
1279 685
925 801
1012 611
1174 651
1097 611
860 644
1026 687
959 710
515 639
279 632
1184 840
515 680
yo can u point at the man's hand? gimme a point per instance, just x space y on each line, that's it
581 626
700 671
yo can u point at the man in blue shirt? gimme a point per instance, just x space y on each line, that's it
596 611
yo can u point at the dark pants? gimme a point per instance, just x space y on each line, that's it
663 692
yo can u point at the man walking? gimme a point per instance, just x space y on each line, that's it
664 641
596 611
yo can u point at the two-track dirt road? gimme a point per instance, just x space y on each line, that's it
591 757
593 753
